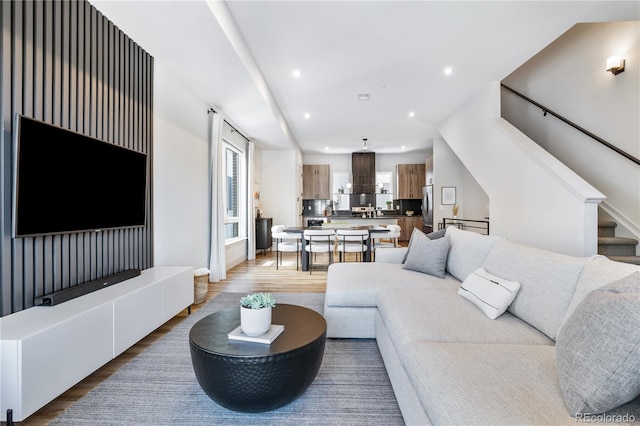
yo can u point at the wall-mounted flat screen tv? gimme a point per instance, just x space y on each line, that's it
66 182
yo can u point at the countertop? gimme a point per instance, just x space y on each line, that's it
338 218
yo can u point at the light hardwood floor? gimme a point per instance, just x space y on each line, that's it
250 276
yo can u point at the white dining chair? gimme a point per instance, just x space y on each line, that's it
391 237
285 243
351 241
319 241
385 239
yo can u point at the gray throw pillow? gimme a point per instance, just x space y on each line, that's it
436 234
431 235
415 230
598 349
427 256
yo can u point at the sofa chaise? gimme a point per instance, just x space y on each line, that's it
564 346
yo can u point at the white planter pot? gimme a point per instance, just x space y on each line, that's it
255 322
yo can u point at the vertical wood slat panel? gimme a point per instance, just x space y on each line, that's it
16 74
27 58
66 64
47 67
56 56
111 108
121 91
98 75
73 61
125 94
5 244
80 41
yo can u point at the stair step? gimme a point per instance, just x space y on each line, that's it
607 223
635 260
617 246
607 228
618 241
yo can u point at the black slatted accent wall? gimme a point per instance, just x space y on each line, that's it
64 63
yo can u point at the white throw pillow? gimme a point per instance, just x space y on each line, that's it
490 293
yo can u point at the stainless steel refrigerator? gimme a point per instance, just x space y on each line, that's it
427 208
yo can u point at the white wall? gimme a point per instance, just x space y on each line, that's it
569 77
180 173
279 187
449 171
181 176
534 199
475 204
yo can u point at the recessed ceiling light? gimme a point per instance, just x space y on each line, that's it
412 114
448 71
307 115
326 148
296 73
402 147
363 96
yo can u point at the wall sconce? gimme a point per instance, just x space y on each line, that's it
615 65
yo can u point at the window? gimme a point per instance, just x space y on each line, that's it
234 203
384 190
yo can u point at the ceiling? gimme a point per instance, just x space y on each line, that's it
239 56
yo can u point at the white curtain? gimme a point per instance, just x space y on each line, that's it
217 255
251 205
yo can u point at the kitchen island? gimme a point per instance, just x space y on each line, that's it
337 222
347 220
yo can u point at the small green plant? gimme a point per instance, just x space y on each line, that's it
258 301
389 204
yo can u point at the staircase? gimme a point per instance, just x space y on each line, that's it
616 248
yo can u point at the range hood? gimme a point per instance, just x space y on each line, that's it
363 169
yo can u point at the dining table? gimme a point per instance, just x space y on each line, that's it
305 254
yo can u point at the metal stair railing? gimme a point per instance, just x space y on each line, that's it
546 111
480 226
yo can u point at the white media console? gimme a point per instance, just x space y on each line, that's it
45 350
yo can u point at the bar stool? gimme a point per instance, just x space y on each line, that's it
352 241
285 243
319 241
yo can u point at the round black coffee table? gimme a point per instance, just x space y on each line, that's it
256 377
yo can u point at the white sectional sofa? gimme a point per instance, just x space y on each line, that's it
567 348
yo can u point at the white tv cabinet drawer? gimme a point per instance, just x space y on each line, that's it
45 350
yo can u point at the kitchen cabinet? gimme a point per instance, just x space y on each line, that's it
263 233
363 169
407 223
316 182
410 180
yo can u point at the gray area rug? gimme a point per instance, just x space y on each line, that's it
159 387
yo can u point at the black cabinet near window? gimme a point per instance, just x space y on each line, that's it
263 233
